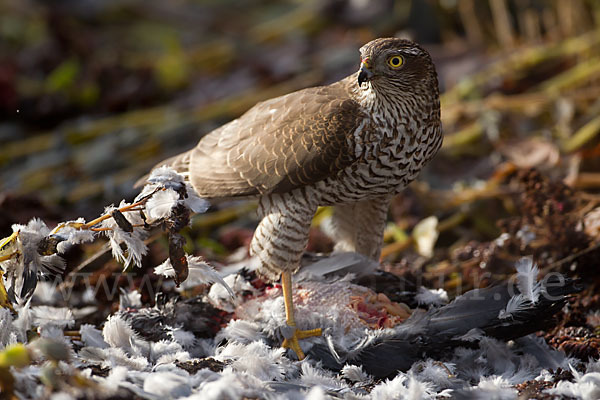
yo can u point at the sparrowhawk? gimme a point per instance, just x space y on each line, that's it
352 145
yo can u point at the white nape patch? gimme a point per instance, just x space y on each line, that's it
527 283
412 51
355 373
431 297
404 387
167 384
47 315
199 273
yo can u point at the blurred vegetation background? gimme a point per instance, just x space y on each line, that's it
94 92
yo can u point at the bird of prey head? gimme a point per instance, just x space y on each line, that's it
396 64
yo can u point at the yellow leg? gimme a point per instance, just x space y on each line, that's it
291 342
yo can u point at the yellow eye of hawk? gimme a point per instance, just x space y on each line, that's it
395 61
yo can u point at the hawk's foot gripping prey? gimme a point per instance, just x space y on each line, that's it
352 145
293 334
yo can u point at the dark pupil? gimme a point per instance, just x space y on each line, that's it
395 61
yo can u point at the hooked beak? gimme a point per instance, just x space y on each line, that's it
365 74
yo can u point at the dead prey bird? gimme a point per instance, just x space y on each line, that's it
502 312
352 145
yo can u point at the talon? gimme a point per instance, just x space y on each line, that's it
293 344
289 330
309 333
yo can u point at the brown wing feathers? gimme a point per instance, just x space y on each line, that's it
278 145
321 146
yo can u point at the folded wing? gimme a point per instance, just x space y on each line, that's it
278 145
